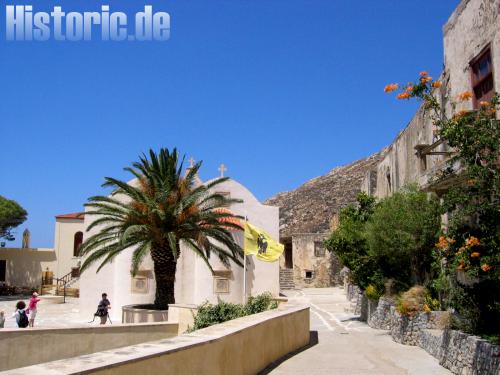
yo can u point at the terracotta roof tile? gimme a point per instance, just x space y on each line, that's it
74 215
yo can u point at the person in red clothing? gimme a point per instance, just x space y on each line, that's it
32 309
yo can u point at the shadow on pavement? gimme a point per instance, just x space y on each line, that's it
313 340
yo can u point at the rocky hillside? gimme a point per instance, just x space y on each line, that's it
310 208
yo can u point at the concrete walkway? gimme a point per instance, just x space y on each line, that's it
344 345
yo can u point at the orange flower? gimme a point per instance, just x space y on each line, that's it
484 103
423 73
471 182
391 87
409 89
464 96
403 95
437 84
472 241
462 113
486 267
492 111
425 79
475 254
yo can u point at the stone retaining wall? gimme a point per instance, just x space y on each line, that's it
380 318
405 329
461 353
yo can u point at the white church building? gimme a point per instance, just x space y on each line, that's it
194 282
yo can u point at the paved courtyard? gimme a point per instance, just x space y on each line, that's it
48 315
347 346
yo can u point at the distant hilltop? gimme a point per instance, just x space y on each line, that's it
311 207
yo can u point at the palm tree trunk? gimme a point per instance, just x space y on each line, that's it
165 265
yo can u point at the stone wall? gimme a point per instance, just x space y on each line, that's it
380 318
461 353
310 268
405 329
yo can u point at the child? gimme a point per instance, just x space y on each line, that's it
21 315
103 307
2 319
32 308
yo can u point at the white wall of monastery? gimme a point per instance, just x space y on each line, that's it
63 244
194 281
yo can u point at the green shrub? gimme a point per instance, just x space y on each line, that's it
209 314
348 242
401 234
372 292
260 303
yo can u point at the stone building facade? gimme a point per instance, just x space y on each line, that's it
471 63
307 262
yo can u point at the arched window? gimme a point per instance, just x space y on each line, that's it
77 243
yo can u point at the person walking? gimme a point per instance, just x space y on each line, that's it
103 307
32 308
2 319
21 315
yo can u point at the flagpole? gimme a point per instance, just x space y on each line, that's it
244 265
244 278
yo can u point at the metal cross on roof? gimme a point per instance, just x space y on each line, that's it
222 169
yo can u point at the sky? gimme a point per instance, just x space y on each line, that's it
280 91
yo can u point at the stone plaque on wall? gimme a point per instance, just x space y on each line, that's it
140 282
221 285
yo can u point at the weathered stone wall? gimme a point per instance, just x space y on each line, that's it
473 26
380 318
406 329
461 353
324 270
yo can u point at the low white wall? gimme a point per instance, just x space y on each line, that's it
242 346
25 347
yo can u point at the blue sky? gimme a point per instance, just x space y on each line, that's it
281 91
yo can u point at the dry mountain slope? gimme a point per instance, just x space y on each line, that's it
310 208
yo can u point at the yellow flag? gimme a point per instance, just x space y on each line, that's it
261 244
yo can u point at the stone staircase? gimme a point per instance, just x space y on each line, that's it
286 279
51 290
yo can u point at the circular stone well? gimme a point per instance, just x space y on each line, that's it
142 314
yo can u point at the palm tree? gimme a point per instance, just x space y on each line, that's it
156 213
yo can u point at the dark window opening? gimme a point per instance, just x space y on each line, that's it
288 255
3 270
77 243
319 249
309 274
482 78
